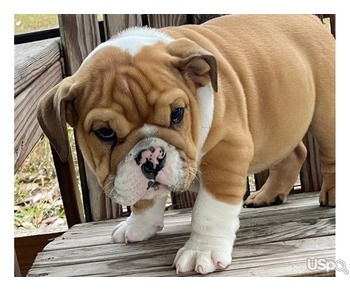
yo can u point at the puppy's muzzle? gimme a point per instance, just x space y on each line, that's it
152 160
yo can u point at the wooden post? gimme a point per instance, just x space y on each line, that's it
17 271
201 18
114 23
260 179
79 36
163 20
67 181
310 174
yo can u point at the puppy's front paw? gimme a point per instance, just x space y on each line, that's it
132 230
204 255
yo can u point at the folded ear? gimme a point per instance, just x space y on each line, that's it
54 110
194 62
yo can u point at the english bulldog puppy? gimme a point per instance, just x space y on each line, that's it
155 110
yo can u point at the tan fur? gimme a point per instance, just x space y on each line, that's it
274 77
265 120
282 177
142 205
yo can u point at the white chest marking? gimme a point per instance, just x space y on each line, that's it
205 97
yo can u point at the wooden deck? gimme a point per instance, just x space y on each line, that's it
272 241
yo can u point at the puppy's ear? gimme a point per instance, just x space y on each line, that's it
194 62
54 110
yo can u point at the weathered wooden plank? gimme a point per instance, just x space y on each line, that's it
287 258
273 241
115 23
80 35
174 236
27 129
32 59
28 245
296 221
307 223
300 208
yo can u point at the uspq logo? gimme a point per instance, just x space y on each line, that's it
327 265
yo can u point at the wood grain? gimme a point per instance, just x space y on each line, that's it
115 23
163 20
27 129
273 241
33 59
80 35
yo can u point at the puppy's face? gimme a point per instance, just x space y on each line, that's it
136 118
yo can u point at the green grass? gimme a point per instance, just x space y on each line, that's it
32 22
37 198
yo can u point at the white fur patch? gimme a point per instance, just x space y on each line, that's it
148 130
132 40
214 226
205 96
141 226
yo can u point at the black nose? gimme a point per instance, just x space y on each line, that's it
148 169
152 160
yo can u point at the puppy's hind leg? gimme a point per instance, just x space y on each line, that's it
282 177
323 129
323 124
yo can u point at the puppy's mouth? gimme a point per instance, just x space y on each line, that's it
151 169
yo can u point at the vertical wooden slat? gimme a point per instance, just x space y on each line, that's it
17 271
332 19
310 175
67 181
163 20
260 179
201 18
247 192
114 23
79 36
182 200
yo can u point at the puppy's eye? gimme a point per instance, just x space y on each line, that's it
105 134
177 115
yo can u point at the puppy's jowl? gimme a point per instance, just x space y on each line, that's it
156 109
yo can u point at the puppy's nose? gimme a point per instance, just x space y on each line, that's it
152 160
